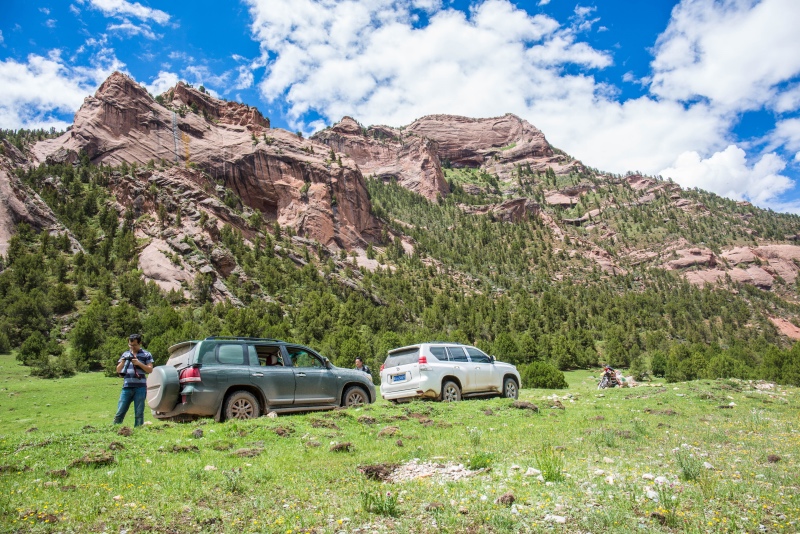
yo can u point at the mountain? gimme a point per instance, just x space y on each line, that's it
184 215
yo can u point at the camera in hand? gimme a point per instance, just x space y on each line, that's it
128 357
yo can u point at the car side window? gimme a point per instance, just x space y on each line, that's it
457 354
230 354
265 355
303 358
440 353
477 356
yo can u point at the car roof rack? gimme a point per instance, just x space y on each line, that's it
242 338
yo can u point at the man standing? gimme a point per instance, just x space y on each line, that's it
361 367
133 366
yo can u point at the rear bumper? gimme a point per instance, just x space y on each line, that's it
198 402
419 388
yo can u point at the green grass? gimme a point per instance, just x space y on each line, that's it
279 475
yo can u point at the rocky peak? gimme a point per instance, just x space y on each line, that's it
223 111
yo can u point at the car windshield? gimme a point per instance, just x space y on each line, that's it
402 357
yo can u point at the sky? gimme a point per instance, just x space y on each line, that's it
706 92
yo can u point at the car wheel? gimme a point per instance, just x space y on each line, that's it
241 405
510 390
451 392
354 396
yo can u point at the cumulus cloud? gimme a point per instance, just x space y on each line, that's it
368 59
786 133
123 8
732 52
728 173
35 92
162 82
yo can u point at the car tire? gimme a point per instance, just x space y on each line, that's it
354 396
510 389
241 405
450 392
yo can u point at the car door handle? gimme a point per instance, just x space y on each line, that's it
300 374
257 374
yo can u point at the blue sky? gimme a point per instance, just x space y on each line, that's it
706 92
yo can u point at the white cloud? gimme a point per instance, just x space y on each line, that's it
1 36
728 173
162 82
786 133
123 8
543 2
732 52
75 10
245 78
367 59
50 23
788 100
131 30
33 93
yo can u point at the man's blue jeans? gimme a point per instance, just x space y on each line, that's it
135 395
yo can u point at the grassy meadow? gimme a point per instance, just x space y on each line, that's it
704 456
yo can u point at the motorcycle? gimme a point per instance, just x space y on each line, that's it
609 379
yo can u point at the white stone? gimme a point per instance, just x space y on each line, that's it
531 472
608 460
652 495
661 480
555 518
648 476
210 468
610 480
708 465
599 472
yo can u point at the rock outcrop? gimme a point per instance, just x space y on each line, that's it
497 145
18 204
283 176
385 153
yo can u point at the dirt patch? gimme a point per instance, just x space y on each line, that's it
660 412
13 469
506 499
185 448
342 447
378 471
248 453
40 517
125 431
283 432
222 446
116 446
58 473
367 420
488 411
322 423
389 431
525 405
773 458
95 460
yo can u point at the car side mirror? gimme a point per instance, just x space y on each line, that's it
328 364
492 359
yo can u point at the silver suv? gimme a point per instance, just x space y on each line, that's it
446 371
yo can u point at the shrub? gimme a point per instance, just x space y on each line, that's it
543 376
658 364
551 463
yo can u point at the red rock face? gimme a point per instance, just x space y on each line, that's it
497 145
384 152
269 169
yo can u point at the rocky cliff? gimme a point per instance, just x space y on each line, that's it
288 179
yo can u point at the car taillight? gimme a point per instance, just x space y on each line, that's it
423 360
190 375
382 366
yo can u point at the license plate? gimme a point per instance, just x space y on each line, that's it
398 378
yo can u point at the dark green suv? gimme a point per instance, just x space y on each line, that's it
242 378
